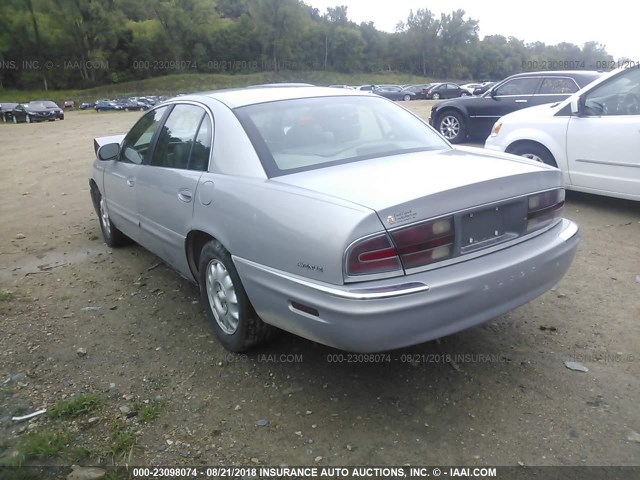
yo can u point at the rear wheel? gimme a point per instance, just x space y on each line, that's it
452 127
228 308
465 94
534 151
407 97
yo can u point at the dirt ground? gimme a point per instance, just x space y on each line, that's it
168 394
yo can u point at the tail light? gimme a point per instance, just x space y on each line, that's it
373 255
424 243
544 208
409 247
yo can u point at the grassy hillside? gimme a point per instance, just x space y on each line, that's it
193 82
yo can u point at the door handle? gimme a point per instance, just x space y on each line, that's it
185 195
131 182
521 101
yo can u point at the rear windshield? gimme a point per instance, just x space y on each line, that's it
305 134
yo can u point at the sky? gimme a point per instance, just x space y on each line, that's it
548 21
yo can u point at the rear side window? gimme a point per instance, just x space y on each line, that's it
136 144
518 86
177 137
558 86
201 147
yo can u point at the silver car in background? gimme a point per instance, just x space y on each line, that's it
334 214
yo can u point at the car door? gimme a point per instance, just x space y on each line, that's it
507 97
19 113
120 175
603 144
167 184
451 91
554 89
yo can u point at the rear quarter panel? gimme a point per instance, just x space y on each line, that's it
283 227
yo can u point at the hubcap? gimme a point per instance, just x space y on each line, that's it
533 157
104 217
222 297
450 127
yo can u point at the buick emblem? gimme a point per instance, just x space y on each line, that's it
391 219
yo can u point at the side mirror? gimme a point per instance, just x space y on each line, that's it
492 92
110 151
575 107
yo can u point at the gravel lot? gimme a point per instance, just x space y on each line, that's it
82 321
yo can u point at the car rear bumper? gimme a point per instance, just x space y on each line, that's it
408 310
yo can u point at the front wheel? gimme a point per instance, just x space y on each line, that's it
465 94
228 308
534 151
436 96
27 119
452 127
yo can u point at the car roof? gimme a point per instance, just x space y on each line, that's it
560 73
240 97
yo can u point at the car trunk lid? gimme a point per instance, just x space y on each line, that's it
418 186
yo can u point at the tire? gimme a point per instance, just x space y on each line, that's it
27 119
534 151
15 120
113 237
465 94
436 96
451 126
228 308
407 97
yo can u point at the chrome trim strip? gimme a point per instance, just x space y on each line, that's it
569 232
617 164
370 293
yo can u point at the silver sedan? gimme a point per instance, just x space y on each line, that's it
333 214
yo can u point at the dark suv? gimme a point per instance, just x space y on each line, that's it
459 118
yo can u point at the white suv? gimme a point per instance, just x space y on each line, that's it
592 136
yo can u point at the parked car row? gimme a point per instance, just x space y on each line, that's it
42 110
593 136
422 91
461 118
29 112
125 104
